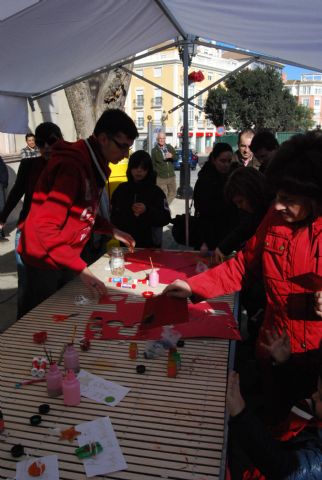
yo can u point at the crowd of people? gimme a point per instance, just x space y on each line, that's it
259 214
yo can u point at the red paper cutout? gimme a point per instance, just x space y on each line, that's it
165 311
60 318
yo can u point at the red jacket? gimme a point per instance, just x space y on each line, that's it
278 251
64 208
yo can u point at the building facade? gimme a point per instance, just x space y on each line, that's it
308 92
146 102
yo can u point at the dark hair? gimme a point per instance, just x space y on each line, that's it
113 121
265 138
142 159
28 135
250 184
218 149
297 167
246 131
47 132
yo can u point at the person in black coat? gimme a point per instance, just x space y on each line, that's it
293 449
215 216
139 206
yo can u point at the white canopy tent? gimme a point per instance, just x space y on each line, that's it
48 44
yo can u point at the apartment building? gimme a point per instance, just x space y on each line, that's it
308 91
146 102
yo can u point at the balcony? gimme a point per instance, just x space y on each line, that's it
156 102
138 103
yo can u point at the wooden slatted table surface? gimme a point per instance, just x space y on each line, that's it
168 428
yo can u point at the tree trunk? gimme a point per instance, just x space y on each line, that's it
80 102
88 99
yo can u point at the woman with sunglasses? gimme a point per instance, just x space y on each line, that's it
29 170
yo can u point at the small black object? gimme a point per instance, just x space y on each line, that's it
17 450
35 420
44 408
180 343
140 369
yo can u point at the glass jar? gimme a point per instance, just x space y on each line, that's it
117 262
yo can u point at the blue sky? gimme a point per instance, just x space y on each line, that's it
294 73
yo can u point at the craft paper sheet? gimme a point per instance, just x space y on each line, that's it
51 472
98 389
111 458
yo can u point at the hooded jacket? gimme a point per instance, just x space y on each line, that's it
157 212
64 208
278 252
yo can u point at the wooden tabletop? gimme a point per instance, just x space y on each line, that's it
168 428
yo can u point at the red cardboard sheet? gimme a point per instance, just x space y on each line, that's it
167 275
145 321
162 258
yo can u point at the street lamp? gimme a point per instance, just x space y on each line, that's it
223 106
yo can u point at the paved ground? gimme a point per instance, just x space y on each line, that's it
8 275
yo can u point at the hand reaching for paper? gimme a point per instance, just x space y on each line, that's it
178 288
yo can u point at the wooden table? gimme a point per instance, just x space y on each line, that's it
168 428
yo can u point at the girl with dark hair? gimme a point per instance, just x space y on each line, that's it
139 206
246 189
215 216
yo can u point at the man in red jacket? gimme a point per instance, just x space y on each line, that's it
64 208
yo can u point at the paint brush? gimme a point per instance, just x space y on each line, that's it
151 262
29 382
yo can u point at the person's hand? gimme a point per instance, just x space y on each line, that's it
278 346
218 257
125 238
168 155
138 208
95 285
204 249
178 288
2 225
234 401
318 303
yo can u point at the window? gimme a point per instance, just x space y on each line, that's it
305 102
157 71
139 97
139 72
209 75
316 102
140 119
157 117
191 118
157 99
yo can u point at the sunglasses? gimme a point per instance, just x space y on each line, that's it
41 143
124 147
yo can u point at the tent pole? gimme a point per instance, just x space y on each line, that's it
186 190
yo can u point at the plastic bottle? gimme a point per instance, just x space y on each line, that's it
54 379
71 359
71 389
153 278
172 367
133 351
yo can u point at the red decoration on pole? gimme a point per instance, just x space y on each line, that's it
196 77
